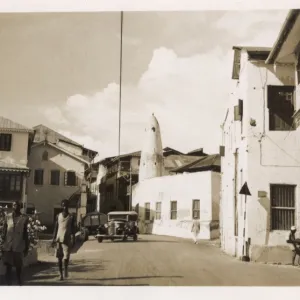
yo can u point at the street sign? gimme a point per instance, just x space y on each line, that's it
245 190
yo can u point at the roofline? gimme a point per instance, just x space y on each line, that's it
65 139
61 149
188 165
283 34
21 130
131 154
253 49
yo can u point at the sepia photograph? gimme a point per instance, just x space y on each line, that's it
150 148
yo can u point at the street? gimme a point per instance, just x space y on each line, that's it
159 261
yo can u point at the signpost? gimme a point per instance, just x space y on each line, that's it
245 191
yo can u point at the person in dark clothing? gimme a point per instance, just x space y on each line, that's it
294 244
16 242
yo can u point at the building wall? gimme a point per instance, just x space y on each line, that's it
265 157
47 197
71 148
19 146
182 188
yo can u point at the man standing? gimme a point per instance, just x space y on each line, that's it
16 242
64 231
195 230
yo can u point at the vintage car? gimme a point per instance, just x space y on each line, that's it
120 225
90 223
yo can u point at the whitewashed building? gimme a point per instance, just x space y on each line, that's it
168 204
261 146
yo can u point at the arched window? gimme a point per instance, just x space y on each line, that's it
45 155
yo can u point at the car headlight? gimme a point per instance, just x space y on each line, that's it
105 225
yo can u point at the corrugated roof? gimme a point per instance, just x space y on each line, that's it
205 162
78 157
52 136
7 166
134 154
177 161
253 49
9 125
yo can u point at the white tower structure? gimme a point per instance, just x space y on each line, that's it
152 161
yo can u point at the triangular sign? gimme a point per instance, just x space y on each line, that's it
245 190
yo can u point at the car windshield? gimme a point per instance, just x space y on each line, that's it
118 217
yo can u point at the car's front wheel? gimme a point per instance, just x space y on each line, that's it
100 239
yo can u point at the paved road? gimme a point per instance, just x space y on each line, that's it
161 261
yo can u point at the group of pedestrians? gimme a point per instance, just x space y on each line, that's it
16 242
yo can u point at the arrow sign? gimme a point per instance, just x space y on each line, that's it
245 190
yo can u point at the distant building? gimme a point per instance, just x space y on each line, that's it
168 204
15 143
59 167
114 176
261 147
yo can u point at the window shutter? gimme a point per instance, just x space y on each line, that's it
222 151
236 64
237 116
241 108
9 138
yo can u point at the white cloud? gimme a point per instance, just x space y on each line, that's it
188 95
251 23
54 114
183 93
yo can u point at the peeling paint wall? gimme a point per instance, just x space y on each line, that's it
182 188
47 197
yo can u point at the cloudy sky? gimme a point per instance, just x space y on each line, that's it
62 70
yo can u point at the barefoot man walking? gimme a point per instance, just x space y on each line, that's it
64 231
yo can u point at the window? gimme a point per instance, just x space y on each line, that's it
147 211
45 155
39 177
10 186
281 107
55 177
158 211
282 206
196 209
173 215
70 178
5 142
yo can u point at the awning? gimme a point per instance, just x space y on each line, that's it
12 167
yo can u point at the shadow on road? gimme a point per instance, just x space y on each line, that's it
144 241
49 271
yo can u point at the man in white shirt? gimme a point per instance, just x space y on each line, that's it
64 231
